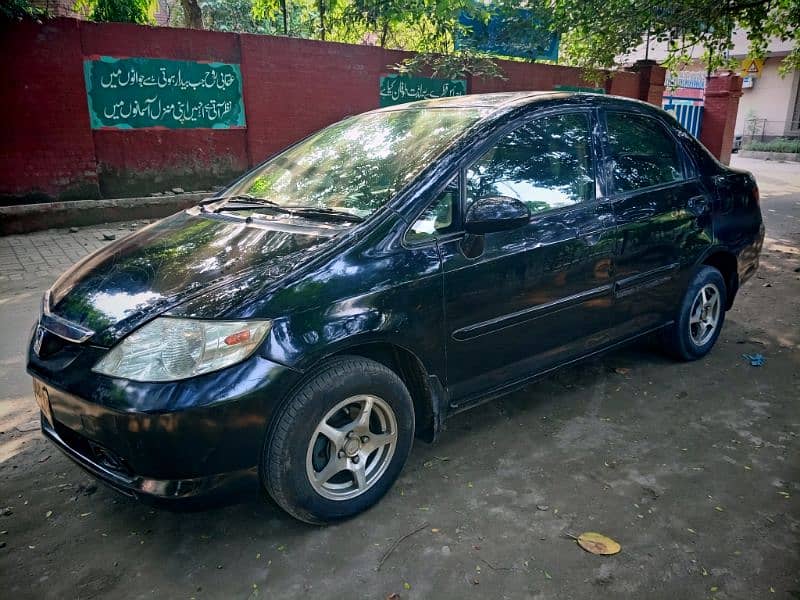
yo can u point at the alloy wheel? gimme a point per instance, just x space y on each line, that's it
704 315
351 447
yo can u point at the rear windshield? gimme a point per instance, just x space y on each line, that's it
358 164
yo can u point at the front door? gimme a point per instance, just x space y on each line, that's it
519 302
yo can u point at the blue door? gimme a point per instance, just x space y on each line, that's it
687 113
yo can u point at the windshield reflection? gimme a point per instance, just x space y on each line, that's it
357 165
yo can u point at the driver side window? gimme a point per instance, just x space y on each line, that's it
545 163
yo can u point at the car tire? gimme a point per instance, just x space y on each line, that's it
700 316
339 442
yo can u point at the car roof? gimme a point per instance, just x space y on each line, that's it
498 103
494 100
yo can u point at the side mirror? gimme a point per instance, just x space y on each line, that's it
496 213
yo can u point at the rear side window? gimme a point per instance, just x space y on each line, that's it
545 163
642 153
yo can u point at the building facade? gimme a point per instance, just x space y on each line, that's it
770 104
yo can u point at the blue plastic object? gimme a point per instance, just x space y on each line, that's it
756 360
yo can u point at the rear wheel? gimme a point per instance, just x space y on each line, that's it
700 316
340 442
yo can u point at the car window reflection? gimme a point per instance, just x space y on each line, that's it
545 163
642 153
357 165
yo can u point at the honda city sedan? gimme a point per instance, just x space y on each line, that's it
351 293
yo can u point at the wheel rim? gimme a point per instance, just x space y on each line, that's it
704 316
351 447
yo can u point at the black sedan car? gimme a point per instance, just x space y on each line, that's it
352 292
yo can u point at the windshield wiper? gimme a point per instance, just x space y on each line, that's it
245 201
324 212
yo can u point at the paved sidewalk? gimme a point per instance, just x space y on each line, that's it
49 253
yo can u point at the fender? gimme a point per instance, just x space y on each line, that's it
424 379
708 251
732 269
299 343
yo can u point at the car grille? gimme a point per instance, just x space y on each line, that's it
52 344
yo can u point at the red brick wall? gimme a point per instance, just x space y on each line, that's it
624 83
719 115
291 87
46 146
139 161
524 76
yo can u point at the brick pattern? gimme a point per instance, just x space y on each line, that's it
47 254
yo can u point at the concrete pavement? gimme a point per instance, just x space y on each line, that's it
693 467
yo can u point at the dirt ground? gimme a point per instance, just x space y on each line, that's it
693 468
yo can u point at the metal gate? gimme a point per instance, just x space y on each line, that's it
687 111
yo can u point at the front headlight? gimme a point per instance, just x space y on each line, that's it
167 349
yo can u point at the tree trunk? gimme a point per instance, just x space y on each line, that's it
285 11
321 7
384 32
192 14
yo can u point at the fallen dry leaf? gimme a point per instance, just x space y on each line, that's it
597 543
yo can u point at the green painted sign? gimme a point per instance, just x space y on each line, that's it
133 93
398 89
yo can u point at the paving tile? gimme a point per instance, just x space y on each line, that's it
49 253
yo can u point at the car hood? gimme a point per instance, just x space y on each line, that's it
127 283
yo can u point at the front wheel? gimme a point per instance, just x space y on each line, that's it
340 441
700 316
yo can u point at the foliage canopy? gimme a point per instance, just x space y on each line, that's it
594 33
119 11
597 31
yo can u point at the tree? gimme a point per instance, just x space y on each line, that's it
192 14
286 17
20 10
119 11
232 15
595 32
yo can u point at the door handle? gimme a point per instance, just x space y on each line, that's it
697 204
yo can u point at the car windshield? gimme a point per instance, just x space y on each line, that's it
355 166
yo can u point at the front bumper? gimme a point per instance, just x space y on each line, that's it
136 485
168 440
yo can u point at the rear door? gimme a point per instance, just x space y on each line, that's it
521 301
661 210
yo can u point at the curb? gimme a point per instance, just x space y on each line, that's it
787 156
25 218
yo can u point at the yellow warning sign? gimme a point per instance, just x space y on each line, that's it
751 67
